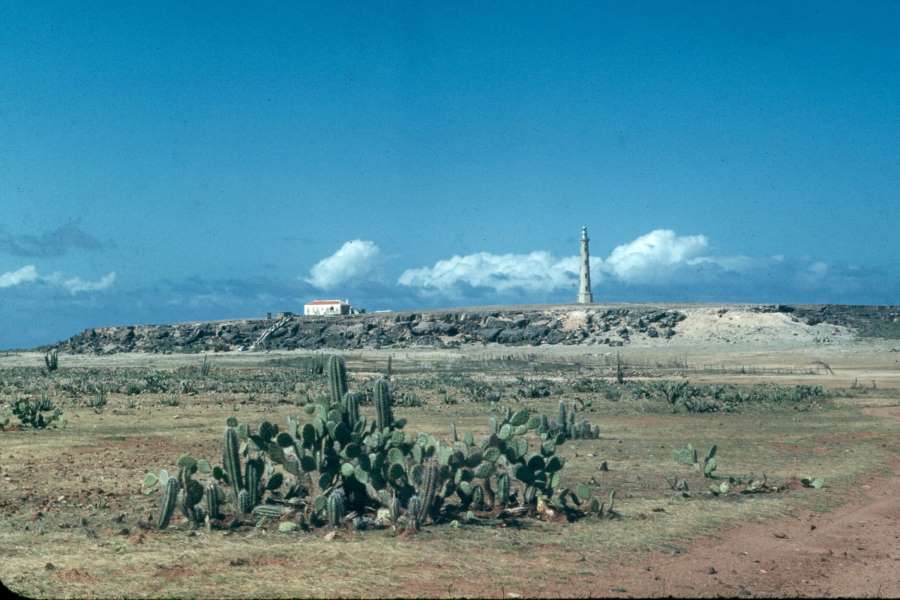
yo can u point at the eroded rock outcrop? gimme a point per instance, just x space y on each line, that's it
563 325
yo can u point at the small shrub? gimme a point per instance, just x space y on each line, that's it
169 401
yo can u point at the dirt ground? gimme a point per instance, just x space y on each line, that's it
71 513
851 551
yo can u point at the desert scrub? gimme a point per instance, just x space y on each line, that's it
337 467
38 413
681 395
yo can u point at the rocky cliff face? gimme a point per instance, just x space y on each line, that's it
562 325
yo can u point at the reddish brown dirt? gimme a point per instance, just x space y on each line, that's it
852 551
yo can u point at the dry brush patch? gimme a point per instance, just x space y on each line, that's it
70 498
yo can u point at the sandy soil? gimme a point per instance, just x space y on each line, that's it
853 551
731 325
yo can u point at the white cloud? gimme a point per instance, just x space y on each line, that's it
657 257
653 256
353 260
74 285
534 272
26 274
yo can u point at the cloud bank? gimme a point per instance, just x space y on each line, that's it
658 265
26 274
73 285
534 272
651 258
353 261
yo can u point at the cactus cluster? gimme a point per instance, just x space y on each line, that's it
37 413
51 360
688 456
568 425
185 492
335 466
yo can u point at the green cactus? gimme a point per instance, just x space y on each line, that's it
269 511
431 479
37 414
337 378
503 489
231 460
351 409
212 500
350 465
51 360
563 415
167 503
253 479
335 508
709 463
414 508
384 418
478 497
243 501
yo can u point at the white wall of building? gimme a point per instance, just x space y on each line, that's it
321 308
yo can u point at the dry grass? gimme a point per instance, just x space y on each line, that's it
84 478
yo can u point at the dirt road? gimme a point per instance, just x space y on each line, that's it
852 551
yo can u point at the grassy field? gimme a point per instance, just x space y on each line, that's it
71 508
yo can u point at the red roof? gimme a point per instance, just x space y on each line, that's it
325 302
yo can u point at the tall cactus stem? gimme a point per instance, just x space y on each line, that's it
337 379
167 504
384 417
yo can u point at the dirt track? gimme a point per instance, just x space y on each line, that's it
852 551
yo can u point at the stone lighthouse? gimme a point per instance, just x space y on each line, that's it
584 285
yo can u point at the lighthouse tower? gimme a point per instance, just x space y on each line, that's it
584 285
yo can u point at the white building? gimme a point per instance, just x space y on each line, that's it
326 307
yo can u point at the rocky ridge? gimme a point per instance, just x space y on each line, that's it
445 329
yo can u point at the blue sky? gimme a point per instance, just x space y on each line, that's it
183 160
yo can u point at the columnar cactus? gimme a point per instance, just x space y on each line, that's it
212 500
339 463
244 504
563 415
414 508
337 378
167 503
253 479
351 409
335 508
231 460
503 489
51 360
478 497
430 481
383 414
